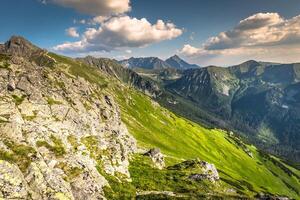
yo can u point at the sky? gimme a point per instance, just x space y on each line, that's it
205 32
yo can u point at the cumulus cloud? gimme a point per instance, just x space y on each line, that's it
96 7
72 32
258 36
190 50
121 32
99 19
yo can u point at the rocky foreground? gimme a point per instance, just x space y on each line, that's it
52 128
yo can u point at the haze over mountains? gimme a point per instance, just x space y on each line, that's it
156 63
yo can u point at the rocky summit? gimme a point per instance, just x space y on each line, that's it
90 129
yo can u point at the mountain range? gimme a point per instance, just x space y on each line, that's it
88 128
156 63
260 100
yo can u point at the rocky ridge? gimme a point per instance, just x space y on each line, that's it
57 131
126 75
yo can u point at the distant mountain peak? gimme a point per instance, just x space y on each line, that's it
145 62
176 62
156 63
251 63
175 57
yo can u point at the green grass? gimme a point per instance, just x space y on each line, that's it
30 117
145 177
4 61
73 141
76 69
71 172
154 126
19 154
18 99
57 148
52 101
180 139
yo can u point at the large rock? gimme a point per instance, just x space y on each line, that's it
12 183
74 127
157 157
209 172
202 170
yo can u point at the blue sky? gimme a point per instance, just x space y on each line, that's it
193 24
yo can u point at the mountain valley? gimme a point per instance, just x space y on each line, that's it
89 128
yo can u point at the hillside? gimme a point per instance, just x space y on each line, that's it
114 69
72 131
260 100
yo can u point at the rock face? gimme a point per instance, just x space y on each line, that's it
59 132
20 46
12 183
209 172
202 170
157 157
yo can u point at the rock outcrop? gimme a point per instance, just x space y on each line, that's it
20 47
157 157
12 182
59 134
209 172
201 170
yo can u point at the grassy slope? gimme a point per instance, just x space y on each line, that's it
178 138
154 126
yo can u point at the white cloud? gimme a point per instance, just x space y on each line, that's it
72 32
99 19
121 32
260 36
259 29
190 50
96 7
